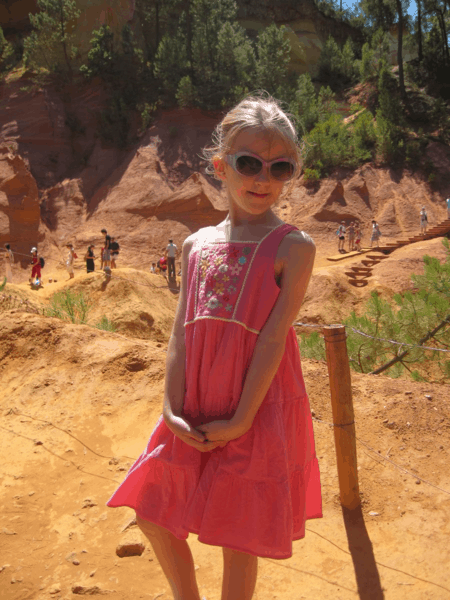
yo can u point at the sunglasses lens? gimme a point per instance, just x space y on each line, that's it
282 170
248 165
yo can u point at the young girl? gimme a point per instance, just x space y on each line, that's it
341 236
232 457
376 234
358 235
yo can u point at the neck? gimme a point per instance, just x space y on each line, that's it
239 218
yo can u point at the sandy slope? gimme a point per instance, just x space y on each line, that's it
78 406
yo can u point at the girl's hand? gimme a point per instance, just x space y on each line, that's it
191 436
221 430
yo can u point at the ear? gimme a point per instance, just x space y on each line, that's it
219 168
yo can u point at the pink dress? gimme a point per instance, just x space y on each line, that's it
255 494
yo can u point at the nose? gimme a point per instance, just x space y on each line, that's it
264 175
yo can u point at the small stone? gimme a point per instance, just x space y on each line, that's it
31 493
428 396
408 424
313 413
408 393
76 562
8 531
38 443
88 503
84 590
417 481
92 573
386 421
196 567
114 461
374 514
131 545
55 589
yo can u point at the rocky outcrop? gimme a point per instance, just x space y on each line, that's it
19 203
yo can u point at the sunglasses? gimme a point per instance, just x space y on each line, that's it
250 165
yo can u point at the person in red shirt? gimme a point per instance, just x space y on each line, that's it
36 270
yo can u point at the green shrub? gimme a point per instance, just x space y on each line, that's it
69 306
312 175
105 324
2 285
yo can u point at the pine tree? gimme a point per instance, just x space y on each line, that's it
273 56
51 41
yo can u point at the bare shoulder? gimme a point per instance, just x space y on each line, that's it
297 244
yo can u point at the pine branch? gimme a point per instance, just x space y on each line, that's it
398 358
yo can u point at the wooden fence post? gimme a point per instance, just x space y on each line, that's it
343 415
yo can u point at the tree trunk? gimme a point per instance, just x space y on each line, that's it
400 49
189 38
445 51
157 26
419 28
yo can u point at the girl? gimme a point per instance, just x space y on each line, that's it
232 456
9 260
69 261
89 258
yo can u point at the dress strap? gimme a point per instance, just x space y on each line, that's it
272 240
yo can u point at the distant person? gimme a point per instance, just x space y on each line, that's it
107 250
89 258
153 268
376 234
162 265
351 236
69 260
171 253
9 260
448 208
36 270
423 221
358 235
341 236
114 246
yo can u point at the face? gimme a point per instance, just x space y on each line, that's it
256 194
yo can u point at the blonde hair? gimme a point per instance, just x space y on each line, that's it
259 111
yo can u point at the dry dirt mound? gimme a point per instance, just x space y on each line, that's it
138 304
77 407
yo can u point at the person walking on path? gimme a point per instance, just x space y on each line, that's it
9 260
89 258
341 236
107 250
69 260
423 221
171 253
235 437
36 270
376 234
351 236
448 207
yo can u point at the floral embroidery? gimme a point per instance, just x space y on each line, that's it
236 269
222 272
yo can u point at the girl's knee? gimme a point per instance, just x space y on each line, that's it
152 529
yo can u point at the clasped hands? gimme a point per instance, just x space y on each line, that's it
205 438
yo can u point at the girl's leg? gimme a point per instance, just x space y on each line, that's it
175 558
239 575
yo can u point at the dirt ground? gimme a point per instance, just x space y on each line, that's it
78 405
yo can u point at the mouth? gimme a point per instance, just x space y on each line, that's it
258 195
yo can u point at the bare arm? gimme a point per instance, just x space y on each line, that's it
298 254
176 351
